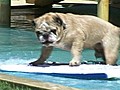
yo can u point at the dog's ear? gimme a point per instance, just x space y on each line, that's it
59 21
35 21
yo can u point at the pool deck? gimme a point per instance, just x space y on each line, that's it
23 2
19 3
34 84
114 3
22 12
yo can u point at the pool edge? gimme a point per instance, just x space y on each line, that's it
38 85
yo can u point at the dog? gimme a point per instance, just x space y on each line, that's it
75 33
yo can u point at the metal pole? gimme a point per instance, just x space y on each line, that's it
5 13
103 9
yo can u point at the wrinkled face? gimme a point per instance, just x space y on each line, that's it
48 29
46 33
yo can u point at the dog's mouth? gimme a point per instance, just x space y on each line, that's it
47 42
46 38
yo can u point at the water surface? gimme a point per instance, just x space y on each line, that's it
21 47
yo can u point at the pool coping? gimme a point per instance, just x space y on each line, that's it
40 85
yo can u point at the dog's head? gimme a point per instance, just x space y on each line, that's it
49 28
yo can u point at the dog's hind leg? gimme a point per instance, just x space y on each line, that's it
111 48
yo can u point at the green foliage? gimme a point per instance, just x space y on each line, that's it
8 86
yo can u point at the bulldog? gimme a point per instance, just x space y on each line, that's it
75 33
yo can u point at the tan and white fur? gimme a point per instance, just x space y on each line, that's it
75 33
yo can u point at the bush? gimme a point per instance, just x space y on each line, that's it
11 86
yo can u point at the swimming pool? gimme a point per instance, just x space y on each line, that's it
20 47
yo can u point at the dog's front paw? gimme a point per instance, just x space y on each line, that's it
35 63
74 63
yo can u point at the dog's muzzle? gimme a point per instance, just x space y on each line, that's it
46 37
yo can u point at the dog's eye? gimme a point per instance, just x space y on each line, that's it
33 23
38 33
53 31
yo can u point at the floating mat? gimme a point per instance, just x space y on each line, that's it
84 71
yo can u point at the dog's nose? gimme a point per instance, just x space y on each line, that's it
46 36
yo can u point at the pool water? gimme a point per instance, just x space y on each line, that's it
21 47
